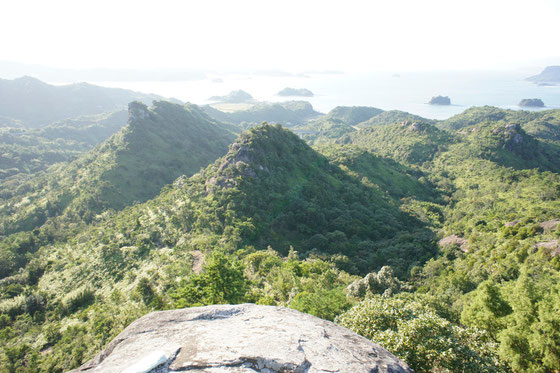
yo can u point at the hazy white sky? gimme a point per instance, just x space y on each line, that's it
346 35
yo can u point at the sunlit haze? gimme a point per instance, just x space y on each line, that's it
287 35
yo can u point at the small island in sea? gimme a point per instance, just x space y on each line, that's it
531 102
234 97
440 100
295 92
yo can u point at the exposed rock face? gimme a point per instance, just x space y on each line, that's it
455 240
240 160
551 247
241 338
549 225
511 223
137 111
440 100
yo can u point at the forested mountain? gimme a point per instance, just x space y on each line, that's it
34 104
157 145
437 239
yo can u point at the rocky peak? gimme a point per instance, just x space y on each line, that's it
513 134
240 338
137 111
240 161
416 126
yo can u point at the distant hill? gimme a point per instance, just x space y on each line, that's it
288 113
36 104
550 75
352 115
476 115
27 151
337 122
392 117
412 142
234 97
544 125
296 92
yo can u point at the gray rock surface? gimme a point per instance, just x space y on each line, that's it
240 338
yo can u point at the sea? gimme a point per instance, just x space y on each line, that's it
408 92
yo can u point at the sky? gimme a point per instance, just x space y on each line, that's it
349 35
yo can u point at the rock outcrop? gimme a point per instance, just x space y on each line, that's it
550 247
240 338
462 243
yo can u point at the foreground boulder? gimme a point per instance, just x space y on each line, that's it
241 338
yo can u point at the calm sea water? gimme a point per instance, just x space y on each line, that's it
408 91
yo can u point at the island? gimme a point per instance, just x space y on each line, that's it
549 76
440 100
300 92
531 102
234 97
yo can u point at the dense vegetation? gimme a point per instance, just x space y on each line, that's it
27 151
440 241
153 149
337 122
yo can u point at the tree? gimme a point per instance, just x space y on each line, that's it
221 282
486 309
413 331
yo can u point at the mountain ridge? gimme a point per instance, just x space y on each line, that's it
44 103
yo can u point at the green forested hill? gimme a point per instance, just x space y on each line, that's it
353 115
344 120
337 122
439 242
153 149
544 125
499 235
392 117
406 141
